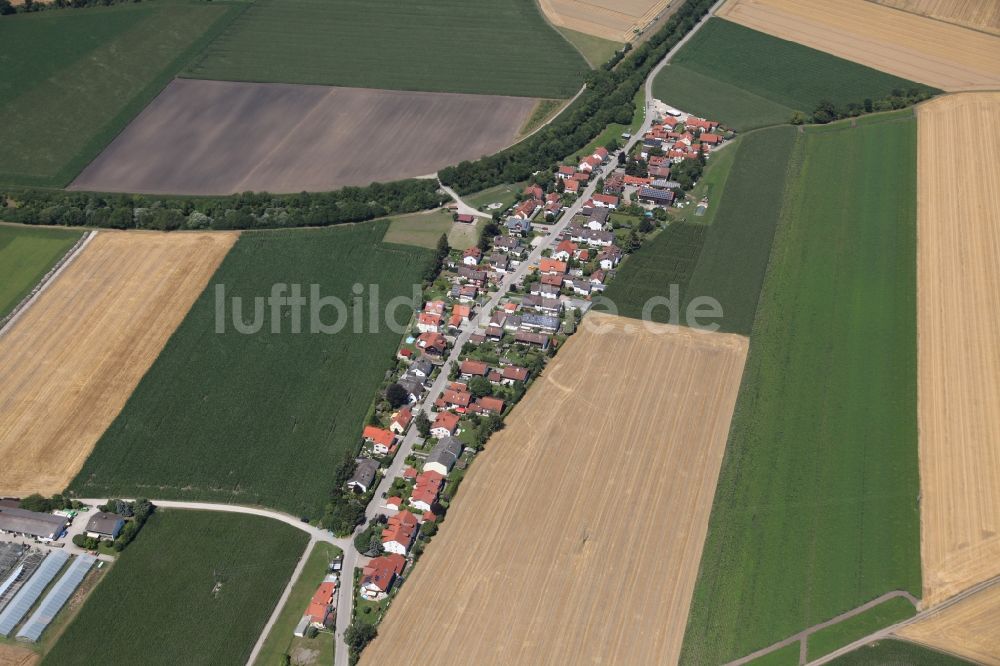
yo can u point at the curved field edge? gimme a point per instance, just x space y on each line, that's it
196 588
897 653
262 418
831 638
816 509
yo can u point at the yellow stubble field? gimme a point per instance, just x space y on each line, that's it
914 47
70 362
610 19
958 341
976 14
576 536
970 628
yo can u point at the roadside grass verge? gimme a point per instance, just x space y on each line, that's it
897 653
746 78
281 637
503 47
827 640
730 262
26 255
263 417
73 79
195 587
816 508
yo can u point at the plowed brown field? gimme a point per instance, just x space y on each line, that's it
576 537
976 14
68 365
914 47
970 628
611 19
958 341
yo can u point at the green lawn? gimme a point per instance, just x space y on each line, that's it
501 47
596 50
262 418
281 637
711 185
502 194
159 603
897 653
26 255
71 80
827 640
425 228
816 508
747 79
729 262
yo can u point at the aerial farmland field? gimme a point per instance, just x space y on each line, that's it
194 588
959 373
615 20
261 417
616 590
103 63
728 260
914 47
816 511
897 653
26 255
976 14
498 47
969 628
193 138
69 363
747 79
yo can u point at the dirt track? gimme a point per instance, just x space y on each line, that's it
976 14
577 535
219 137
914 47
70 362
610 19
970 628
958 307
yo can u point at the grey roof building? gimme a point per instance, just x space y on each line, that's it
540 321
105 524
30 523
364 475
444 454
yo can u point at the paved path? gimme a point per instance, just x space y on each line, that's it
805 633
463 208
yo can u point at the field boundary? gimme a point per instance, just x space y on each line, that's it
8 322
967 26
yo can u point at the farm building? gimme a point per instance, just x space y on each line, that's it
105 525
41 526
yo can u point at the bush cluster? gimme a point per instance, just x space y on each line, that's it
826 111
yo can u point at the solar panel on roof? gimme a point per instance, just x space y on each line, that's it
29 593
56 598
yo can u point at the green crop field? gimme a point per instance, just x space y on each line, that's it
747 79
729 264
897 653
262 418
26 255
786 656
195 587
70 80
834 637
596 50
816 508
501 47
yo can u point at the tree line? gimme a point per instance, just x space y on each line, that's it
608 98
826 111
31 6
250 210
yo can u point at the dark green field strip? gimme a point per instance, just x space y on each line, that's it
786 656
260 418
159 605
746 78
816 508
728 261
825 641
26 255
99 68
711 98
501 47
897 653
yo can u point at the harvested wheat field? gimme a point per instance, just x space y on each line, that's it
958 341
616 20
577 534
914 47
970 628
13 655
221 137
68 365
976 14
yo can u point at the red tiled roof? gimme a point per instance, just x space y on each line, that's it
547 265
378 435
446 420
321 600
473 368
380 571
